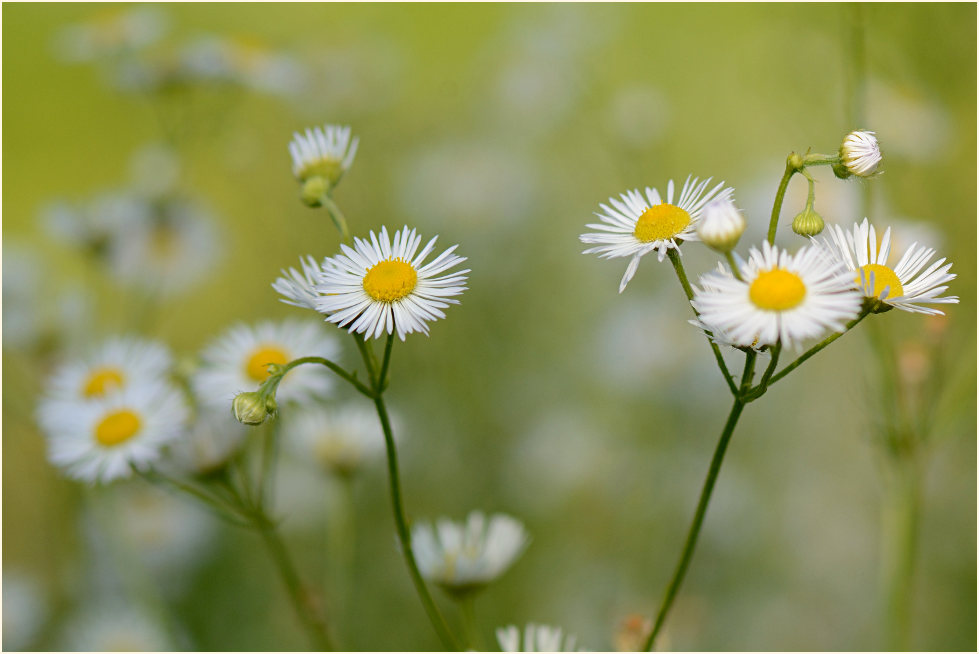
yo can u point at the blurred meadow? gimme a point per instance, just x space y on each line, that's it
588 415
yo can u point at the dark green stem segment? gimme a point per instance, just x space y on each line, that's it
343 374
302 602
698 519
338 218
401 524
791 168
681 274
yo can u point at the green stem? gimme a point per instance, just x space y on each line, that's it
217 506
734 265
351 378
762 386
698 518
338 218
817 347
302 602
681 274
382 377
467 604
790 170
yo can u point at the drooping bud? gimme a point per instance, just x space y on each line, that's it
721 226
807 222
249 408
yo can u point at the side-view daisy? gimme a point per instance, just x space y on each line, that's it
464 557
635 225
904 286
860 153
536 638
117 364
99 440
238 361
340 439
779 298
298 287
326 152
382 286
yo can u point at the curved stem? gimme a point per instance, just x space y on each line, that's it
698 518
762 386
685 283
337 217
790 170
351 378
301 600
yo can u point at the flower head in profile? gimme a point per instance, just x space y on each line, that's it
780 298
464 557
908 285
326 152
860 153
101 440
636 225
536 638
383 285
721 226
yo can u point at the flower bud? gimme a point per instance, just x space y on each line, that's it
249 408
808 222
859 154
721 226
314 190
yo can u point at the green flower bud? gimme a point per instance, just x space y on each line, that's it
808 222
249 408
314 190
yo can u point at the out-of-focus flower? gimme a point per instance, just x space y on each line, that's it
24 609
464 557
208 443
114 627
638 225
239 60
721 226
112 33
98 225
326 152
154 170
381 286
237 360
536 638
904 286
100 440
782 298
860 153
118 364
341 440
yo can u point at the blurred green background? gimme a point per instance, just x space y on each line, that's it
588 415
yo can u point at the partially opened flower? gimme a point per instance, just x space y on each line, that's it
101 440
326 152
904 286
860 153
536 638
464 557
780 298
382 286
636 225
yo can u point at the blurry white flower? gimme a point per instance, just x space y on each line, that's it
24 609
118 364
114 627
236 361
721 225
326 152
638 225
97 225
242 61
860 153
782 298
341 440
112 33
901 286
154 170
100 439
464 557
381 285
536 638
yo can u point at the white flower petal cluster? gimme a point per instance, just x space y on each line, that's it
861 153
326 151
536 638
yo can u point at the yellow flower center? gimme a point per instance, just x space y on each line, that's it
883 277
390 281
661 222
256 367
777 290
102 381
117 427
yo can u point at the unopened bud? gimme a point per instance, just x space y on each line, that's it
721 226
314 190
860 154
808 223
249 408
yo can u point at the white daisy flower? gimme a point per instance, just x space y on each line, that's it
99 440
120 363
536 638
463 557
299 288
637 225
721 226
860 153
236 361
341 440
904 285
380 286
782 298
322 152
